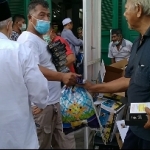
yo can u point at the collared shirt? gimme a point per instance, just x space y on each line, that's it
21 82
43 58
123 52
72 40
14 36
68 50
138 70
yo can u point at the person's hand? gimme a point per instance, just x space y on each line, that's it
87 85
36 110
147 125
70 79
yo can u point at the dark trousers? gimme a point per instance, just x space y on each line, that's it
133 142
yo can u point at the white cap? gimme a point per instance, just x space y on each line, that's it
66 21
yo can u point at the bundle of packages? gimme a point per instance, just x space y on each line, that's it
78 110
110 112
58 52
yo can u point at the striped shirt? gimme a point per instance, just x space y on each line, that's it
123 52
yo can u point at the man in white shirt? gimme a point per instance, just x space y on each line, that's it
21 83
119 48
49 123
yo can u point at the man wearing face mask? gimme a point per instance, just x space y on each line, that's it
119 48
48 120
52 37
19 25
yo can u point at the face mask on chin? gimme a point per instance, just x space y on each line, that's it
42 26
23 27
116 43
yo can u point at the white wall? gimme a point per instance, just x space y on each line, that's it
92 38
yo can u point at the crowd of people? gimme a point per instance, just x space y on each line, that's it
30 85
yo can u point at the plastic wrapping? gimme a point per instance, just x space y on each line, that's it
58 52
77 109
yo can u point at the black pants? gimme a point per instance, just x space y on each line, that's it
133 142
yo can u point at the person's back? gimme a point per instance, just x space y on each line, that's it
19 88
16 86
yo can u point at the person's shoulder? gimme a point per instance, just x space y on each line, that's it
32 40
9 44
28 36
110 44
24 51
25 34
128 42
16 47
61 39
67 31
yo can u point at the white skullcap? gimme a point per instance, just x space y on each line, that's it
66 21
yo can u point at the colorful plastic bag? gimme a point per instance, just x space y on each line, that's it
77 109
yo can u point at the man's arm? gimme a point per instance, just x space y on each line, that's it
73 40
67 78
70 59
119 85
35 81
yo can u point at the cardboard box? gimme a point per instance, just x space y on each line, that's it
119 141
123 129
115 71
110 112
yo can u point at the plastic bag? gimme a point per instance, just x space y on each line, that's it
77 109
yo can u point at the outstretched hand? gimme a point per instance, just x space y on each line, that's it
70 79
87 85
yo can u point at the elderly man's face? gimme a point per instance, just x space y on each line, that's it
130 14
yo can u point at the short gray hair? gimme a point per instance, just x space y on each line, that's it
4 23
145 5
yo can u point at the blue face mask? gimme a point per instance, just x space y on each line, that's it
42 26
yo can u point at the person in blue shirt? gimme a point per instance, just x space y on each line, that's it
137 73
68 35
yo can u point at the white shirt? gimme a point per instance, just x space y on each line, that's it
123 52
39 47
21 83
